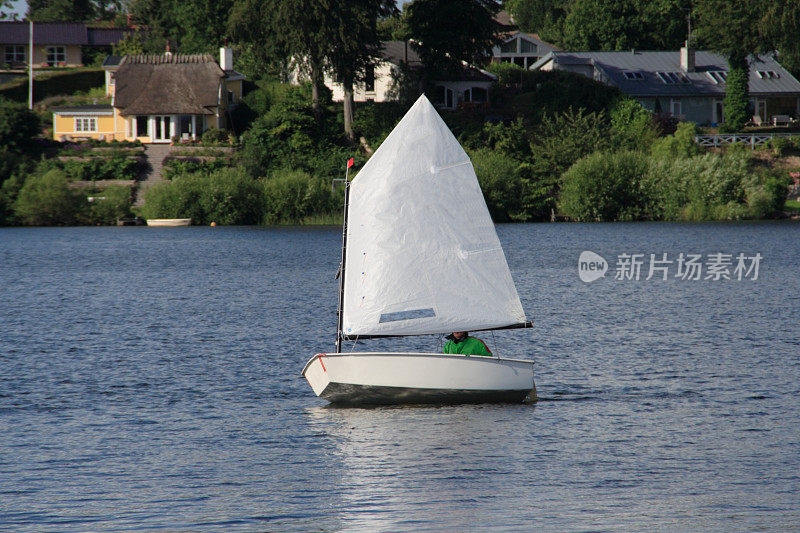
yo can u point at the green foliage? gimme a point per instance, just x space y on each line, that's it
562 139
291 196
511 138
227 196
46 200
737 105
55 84
374 120
60 10
711 187
18 126
190 26
606 186
290 135
130 44
107 205
681 144
632 126
99 168
546 93
214 136
780 145
503 182
176 168
450 32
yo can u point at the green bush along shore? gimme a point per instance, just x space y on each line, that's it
552 143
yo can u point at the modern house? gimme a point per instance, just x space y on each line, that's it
470 86
520 48
686 84
157 98
55 44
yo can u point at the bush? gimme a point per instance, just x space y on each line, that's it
175 168
227 196
681 144
291 196
632 125
46 200
737 106
606 186
214 136
18 126
780 145
101 168
108 205
502 180
562 139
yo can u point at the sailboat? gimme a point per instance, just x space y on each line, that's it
420 256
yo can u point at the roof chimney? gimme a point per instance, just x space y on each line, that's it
226 58
687 58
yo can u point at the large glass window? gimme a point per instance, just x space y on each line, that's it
56 56
510 47
15 54
85 124
528 47
369 79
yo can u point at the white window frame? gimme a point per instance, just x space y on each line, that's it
85 124
56 52
673 105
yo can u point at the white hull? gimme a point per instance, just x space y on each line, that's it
394 378
169 222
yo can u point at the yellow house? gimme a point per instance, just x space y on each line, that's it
157 99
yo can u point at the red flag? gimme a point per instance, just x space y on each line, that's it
350 162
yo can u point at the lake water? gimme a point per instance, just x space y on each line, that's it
150 380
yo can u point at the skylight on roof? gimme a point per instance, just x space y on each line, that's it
630 75
718 76
672 78
768 74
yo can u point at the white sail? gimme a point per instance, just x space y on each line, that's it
422 253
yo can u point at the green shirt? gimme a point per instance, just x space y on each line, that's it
468 346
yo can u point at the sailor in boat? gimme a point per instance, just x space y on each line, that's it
460 342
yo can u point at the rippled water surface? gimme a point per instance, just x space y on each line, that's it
150 380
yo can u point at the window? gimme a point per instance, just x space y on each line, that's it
675 108
633 75
718 76
15 54
509 47
56 55
767 74
141 126
369 79
85 124
477 95
528 47
111 78
672 78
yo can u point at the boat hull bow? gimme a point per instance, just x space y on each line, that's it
373 378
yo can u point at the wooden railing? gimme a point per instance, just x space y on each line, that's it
751 139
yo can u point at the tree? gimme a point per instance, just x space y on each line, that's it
729 27
537 16
447 32
189 26
295 29
623 25
6 10
354 45
780 25
60 10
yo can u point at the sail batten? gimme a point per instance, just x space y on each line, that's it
422 252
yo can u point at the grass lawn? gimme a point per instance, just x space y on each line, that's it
792 205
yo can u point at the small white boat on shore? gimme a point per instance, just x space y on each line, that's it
420 256
169 222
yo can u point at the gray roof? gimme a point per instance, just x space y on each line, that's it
178 84
614 65
97 108
61 33
397 52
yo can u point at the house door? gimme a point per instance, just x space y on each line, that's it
719 109
161 129
761 110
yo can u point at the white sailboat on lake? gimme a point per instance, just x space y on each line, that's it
420 255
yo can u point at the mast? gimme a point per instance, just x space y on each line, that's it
339 334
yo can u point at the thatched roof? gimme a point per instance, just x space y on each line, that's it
169 84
